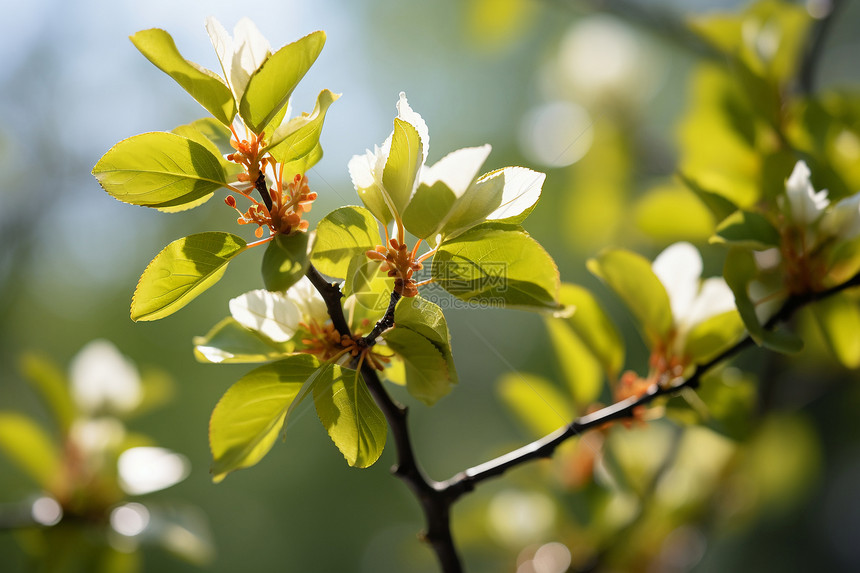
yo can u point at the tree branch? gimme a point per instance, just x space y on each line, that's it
386 322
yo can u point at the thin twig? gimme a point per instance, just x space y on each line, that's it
386 322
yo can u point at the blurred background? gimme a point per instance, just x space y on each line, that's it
590 92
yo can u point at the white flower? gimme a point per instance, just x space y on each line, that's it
147 469
693 300
102 379
496 195
843 219
240 55
804 204
278 315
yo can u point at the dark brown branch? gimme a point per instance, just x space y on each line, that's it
330 292
386 322
260 186
545 447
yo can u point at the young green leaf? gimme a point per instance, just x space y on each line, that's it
370 286
247 419
302 164
427 319
270 87
30 448
341 235
719 206
159 170
228 342
747 229
537 403
710 337
301 135
498 265
594 328
404 162
838 317
427 375
53 387
179 273
209 133
285 261
632 279
353 420
582 371
204 85
427 209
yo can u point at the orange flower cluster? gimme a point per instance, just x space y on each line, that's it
326 343
398 262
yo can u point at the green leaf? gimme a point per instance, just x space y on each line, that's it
710 337
247 419
427 375
300 136
184 269
301 165
404 162
285 261
209 133
52 386
719 206
843 262
159 170
500 266
669 212
30 448
271 85
342 235
582 371
632 279
204 85
353 420
427 319
370 286
594 328
838 317
739 270
536 402
427 209
482 198
228 342
747 229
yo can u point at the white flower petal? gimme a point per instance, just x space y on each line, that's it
522 190
715 297
843 220
408 115
805 204
95 437
104 379
308 300
458 169
679 268
251 50
269 313
148 469
361 170
223 44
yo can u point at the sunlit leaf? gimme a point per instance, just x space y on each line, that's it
631 277
247 419
582 371
184 269
204 85
271 85
353 420
427 319
229 342
342 235
159 170
536 402
300 136
285 261
500 266
370 286
711 336
404 161
30 448
747 229
427 376
594 328
671 213
719 206
211 134
838 318
427 209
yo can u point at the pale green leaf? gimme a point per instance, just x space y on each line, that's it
747 229
404 162
710 337
160 170
582 372
669 212
271 85
53 387
211 134
342 235
353 420
301 165
30 448
427 209
719 206
536 402
427 319
500 266
632 279
204 85
285 261
594 328
229 342
370 286
247 419
300 136
427 375
184 269
838 318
